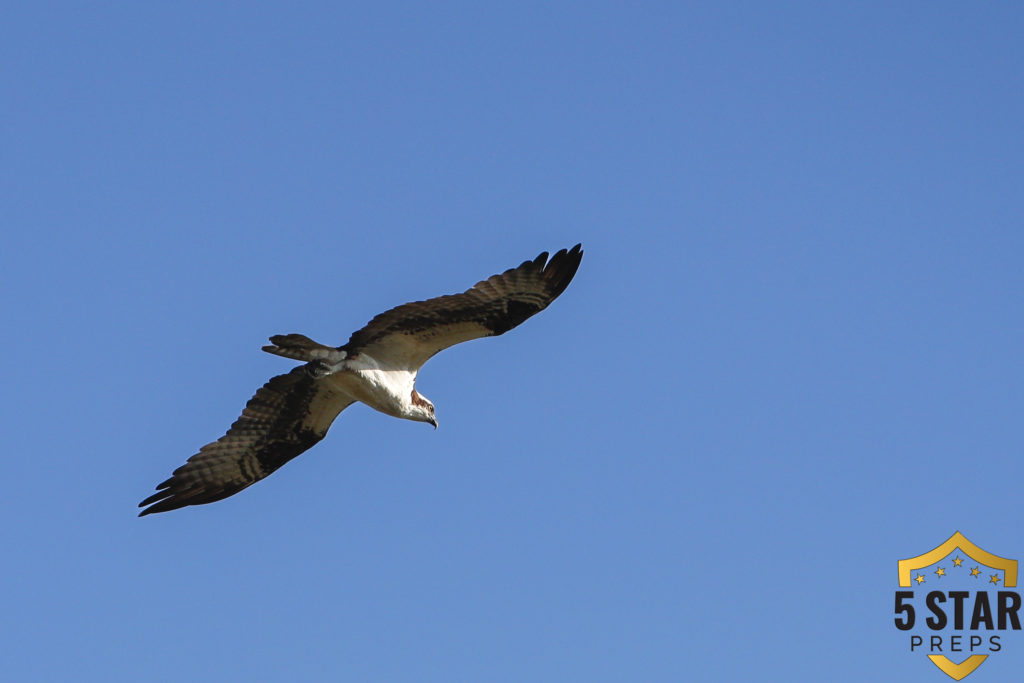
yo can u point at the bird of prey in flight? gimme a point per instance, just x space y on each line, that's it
378 367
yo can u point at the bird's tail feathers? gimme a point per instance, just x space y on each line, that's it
301 347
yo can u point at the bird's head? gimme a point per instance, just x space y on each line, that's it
423 409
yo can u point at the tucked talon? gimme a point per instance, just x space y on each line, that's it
318 368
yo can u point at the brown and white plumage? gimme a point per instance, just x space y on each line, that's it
377 366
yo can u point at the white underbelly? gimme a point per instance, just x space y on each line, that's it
389 391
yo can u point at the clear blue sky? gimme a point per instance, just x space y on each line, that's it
791 357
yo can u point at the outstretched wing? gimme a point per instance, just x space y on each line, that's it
407 336
286 417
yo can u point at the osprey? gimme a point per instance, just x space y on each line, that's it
378 367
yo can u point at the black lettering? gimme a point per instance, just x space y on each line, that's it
938 622
975 642
958 598
954 644
936 645
915 641
994 645
982 612
906 623
1009 603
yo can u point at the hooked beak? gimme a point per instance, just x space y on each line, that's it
433 421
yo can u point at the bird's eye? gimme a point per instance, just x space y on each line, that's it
431 408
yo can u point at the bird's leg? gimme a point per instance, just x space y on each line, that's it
320 368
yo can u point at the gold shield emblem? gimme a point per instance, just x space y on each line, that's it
958 542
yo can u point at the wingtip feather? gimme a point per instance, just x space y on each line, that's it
562 268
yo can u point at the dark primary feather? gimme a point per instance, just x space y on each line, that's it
286 417
413 332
